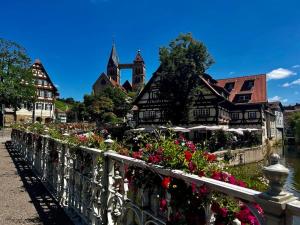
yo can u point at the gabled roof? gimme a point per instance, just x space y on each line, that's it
275 105
38 65
258 91
109 80
204 77
127 86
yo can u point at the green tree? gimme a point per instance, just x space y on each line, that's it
119 99
181 62
16 78
295 125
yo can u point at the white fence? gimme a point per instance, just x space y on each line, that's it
93 188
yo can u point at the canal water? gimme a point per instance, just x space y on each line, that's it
290 157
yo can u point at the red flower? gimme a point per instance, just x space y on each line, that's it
166 182
215 207
241 183
163 204
231 179
203 190
223 212
216 175
209 157
176 142
155 159
188 156
201 173
137 155
193 186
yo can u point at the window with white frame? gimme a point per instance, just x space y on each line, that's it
39 106
201 112
235 116
48 107
252 115
41 93
149 115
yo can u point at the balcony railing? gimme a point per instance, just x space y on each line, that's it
93 186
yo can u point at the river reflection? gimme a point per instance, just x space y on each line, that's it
290 157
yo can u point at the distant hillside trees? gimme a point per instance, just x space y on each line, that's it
110 106
295 125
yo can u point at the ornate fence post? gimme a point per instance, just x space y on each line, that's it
274 200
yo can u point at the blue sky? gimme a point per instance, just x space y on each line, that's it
73 38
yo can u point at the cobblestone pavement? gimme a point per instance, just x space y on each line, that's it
23 198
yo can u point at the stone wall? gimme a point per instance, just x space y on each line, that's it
244 155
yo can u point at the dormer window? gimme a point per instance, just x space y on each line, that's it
242 98
229 86
248 85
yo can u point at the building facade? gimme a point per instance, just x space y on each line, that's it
112 77
239 102
43 109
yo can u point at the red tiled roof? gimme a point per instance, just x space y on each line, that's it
258 91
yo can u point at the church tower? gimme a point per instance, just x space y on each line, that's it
138 72
113 70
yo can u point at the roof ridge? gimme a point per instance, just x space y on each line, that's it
239 77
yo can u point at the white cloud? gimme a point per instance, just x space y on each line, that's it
56 85
231 73
296 66
280 73
295 82
278 98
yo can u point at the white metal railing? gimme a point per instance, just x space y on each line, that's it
93 187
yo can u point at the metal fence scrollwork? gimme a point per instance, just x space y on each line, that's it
97 187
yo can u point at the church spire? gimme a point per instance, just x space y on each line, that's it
113 58
113 70
138 57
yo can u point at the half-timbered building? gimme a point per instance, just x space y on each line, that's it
43 109
239 102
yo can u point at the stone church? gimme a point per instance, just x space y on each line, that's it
112 77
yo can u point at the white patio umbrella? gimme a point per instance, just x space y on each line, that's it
236 131
180 129
201 127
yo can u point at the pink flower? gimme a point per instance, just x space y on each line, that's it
163 204
191 146
176 142
192 167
